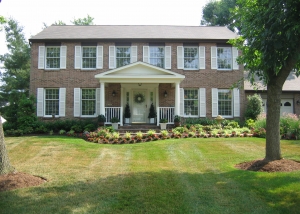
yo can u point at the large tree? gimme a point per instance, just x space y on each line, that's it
270 42
84 21
218 13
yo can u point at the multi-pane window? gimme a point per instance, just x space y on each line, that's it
89 57
88 102
53 57
157 56
191 59
224 102
224 56
122 56
52 101
191 102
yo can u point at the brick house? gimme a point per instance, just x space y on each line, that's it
84 71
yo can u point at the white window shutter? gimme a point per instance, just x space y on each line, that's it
40 102
41 63
181 102
112 57
62 102
99 57
235 53
146 54
97 101
63 57
236 102
202 102
214 101
180 57
168 54
77 57
214 57
76 102
201 57
133 53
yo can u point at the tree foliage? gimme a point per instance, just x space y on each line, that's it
83 21
218 13
270 42
16 61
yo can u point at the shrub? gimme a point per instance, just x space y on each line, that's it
89 127
77 128
254 107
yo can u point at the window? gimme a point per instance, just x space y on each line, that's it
224 102
88 102
224 58
52 57
122 56
191 58
52 101
89 55
157 56
191 102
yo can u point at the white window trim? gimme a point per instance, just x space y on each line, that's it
78 103
231 62
41 107
191 69
198 113
62 61
81 58
232 103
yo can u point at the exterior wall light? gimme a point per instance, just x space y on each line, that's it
114 93
165 94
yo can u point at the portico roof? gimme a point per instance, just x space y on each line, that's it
140 72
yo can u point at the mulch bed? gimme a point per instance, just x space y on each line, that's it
282 165
18 180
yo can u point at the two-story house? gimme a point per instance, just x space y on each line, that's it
84 71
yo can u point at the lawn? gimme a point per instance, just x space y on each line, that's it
195 175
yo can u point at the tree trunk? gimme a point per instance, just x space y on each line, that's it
5 166
273 151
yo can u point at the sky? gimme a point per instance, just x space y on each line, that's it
31 14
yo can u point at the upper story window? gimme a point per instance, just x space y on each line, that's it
122 56
224 58
191 58
157 56
89 56
52 57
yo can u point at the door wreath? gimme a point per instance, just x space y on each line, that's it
139 98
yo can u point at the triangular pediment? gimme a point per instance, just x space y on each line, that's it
138 71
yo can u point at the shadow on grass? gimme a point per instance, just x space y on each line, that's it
161 192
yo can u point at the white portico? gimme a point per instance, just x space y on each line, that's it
137 80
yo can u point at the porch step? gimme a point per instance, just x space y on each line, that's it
138 127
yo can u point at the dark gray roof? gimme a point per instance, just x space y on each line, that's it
292 83
134 32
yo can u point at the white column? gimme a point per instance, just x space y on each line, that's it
177 99
102 98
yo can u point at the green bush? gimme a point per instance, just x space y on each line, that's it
254 107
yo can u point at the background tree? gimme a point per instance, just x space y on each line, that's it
16 62
84 21
270 43
218 13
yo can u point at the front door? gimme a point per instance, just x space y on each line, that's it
139 106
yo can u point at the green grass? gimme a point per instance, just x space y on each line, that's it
170 176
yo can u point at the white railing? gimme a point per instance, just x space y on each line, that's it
111 112
167 113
